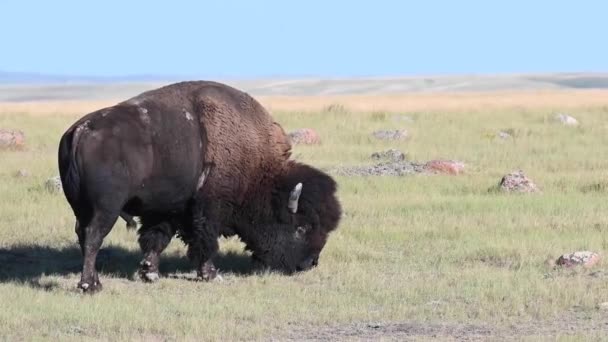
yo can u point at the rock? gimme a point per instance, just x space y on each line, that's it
504 135
404 118
517 182
435 303
21 174
305 136
566 119
580 258
397 134
391 155
449 167
598 274
400 167
603 306
53 185
11 139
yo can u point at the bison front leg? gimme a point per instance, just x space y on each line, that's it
154 237
207 271
131 224
202 244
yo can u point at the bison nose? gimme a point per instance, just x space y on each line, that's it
308 263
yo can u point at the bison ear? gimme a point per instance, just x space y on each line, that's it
294 197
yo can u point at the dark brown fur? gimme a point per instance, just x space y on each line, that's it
246 192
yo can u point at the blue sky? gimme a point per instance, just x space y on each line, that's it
306 38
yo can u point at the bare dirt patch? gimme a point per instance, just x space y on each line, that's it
569 324
392 331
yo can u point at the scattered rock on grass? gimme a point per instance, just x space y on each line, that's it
53 185
396 134
21 174
393 163
390 155
401 168
11 139
450 167
566 119
504 135
404 118
580 258
517 182
305 136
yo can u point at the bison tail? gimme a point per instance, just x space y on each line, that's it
68 168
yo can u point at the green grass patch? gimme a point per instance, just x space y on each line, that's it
424 248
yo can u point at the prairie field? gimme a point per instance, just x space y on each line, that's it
417 257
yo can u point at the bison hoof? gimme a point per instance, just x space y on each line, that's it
150 277
207 275
90 288
148 271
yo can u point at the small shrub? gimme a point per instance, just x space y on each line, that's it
335 108
601 187
378 116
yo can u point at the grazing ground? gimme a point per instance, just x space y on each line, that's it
416 257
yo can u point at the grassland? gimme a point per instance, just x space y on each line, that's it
415 257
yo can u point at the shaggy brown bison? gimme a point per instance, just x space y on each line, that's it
194 159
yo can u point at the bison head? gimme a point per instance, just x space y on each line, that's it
305 211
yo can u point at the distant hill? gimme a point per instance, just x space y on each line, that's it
30 78
33 87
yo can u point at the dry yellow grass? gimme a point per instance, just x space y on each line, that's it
53 107
464 101
411 102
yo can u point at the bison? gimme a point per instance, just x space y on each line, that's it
194 159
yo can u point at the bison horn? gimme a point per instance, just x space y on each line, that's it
294 197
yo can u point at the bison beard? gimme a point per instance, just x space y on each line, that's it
198 160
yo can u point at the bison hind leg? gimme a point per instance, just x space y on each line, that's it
154 236
91 234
